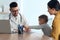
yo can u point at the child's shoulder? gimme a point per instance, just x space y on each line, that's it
45 25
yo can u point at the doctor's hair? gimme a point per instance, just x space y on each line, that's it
54 4
13 4
45 17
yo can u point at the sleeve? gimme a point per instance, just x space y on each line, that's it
36 27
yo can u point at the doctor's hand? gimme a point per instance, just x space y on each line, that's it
16 30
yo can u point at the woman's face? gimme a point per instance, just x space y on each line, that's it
51 11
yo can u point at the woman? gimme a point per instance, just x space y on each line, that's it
54 9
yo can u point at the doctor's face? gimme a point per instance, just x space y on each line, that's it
14 11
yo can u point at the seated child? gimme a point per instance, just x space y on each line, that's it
43 19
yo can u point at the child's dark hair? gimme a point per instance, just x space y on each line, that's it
44 17
54 4
13 4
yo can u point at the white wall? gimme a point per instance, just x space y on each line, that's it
30 8
34 8
6 3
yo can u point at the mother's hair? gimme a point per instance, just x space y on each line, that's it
54 4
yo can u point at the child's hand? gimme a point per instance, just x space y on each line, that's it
26 29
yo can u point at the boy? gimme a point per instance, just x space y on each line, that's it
43 19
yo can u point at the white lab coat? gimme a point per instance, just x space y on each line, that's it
14 21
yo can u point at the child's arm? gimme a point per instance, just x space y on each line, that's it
35 27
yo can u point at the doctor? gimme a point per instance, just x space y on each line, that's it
16 18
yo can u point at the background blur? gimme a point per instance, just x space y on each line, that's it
31 9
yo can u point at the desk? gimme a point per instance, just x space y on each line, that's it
33 35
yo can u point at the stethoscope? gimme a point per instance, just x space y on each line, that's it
13 20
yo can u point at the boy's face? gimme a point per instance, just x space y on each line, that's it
41 21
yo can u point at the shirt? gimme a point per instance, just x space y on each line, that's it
14 21
45 28
56 26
